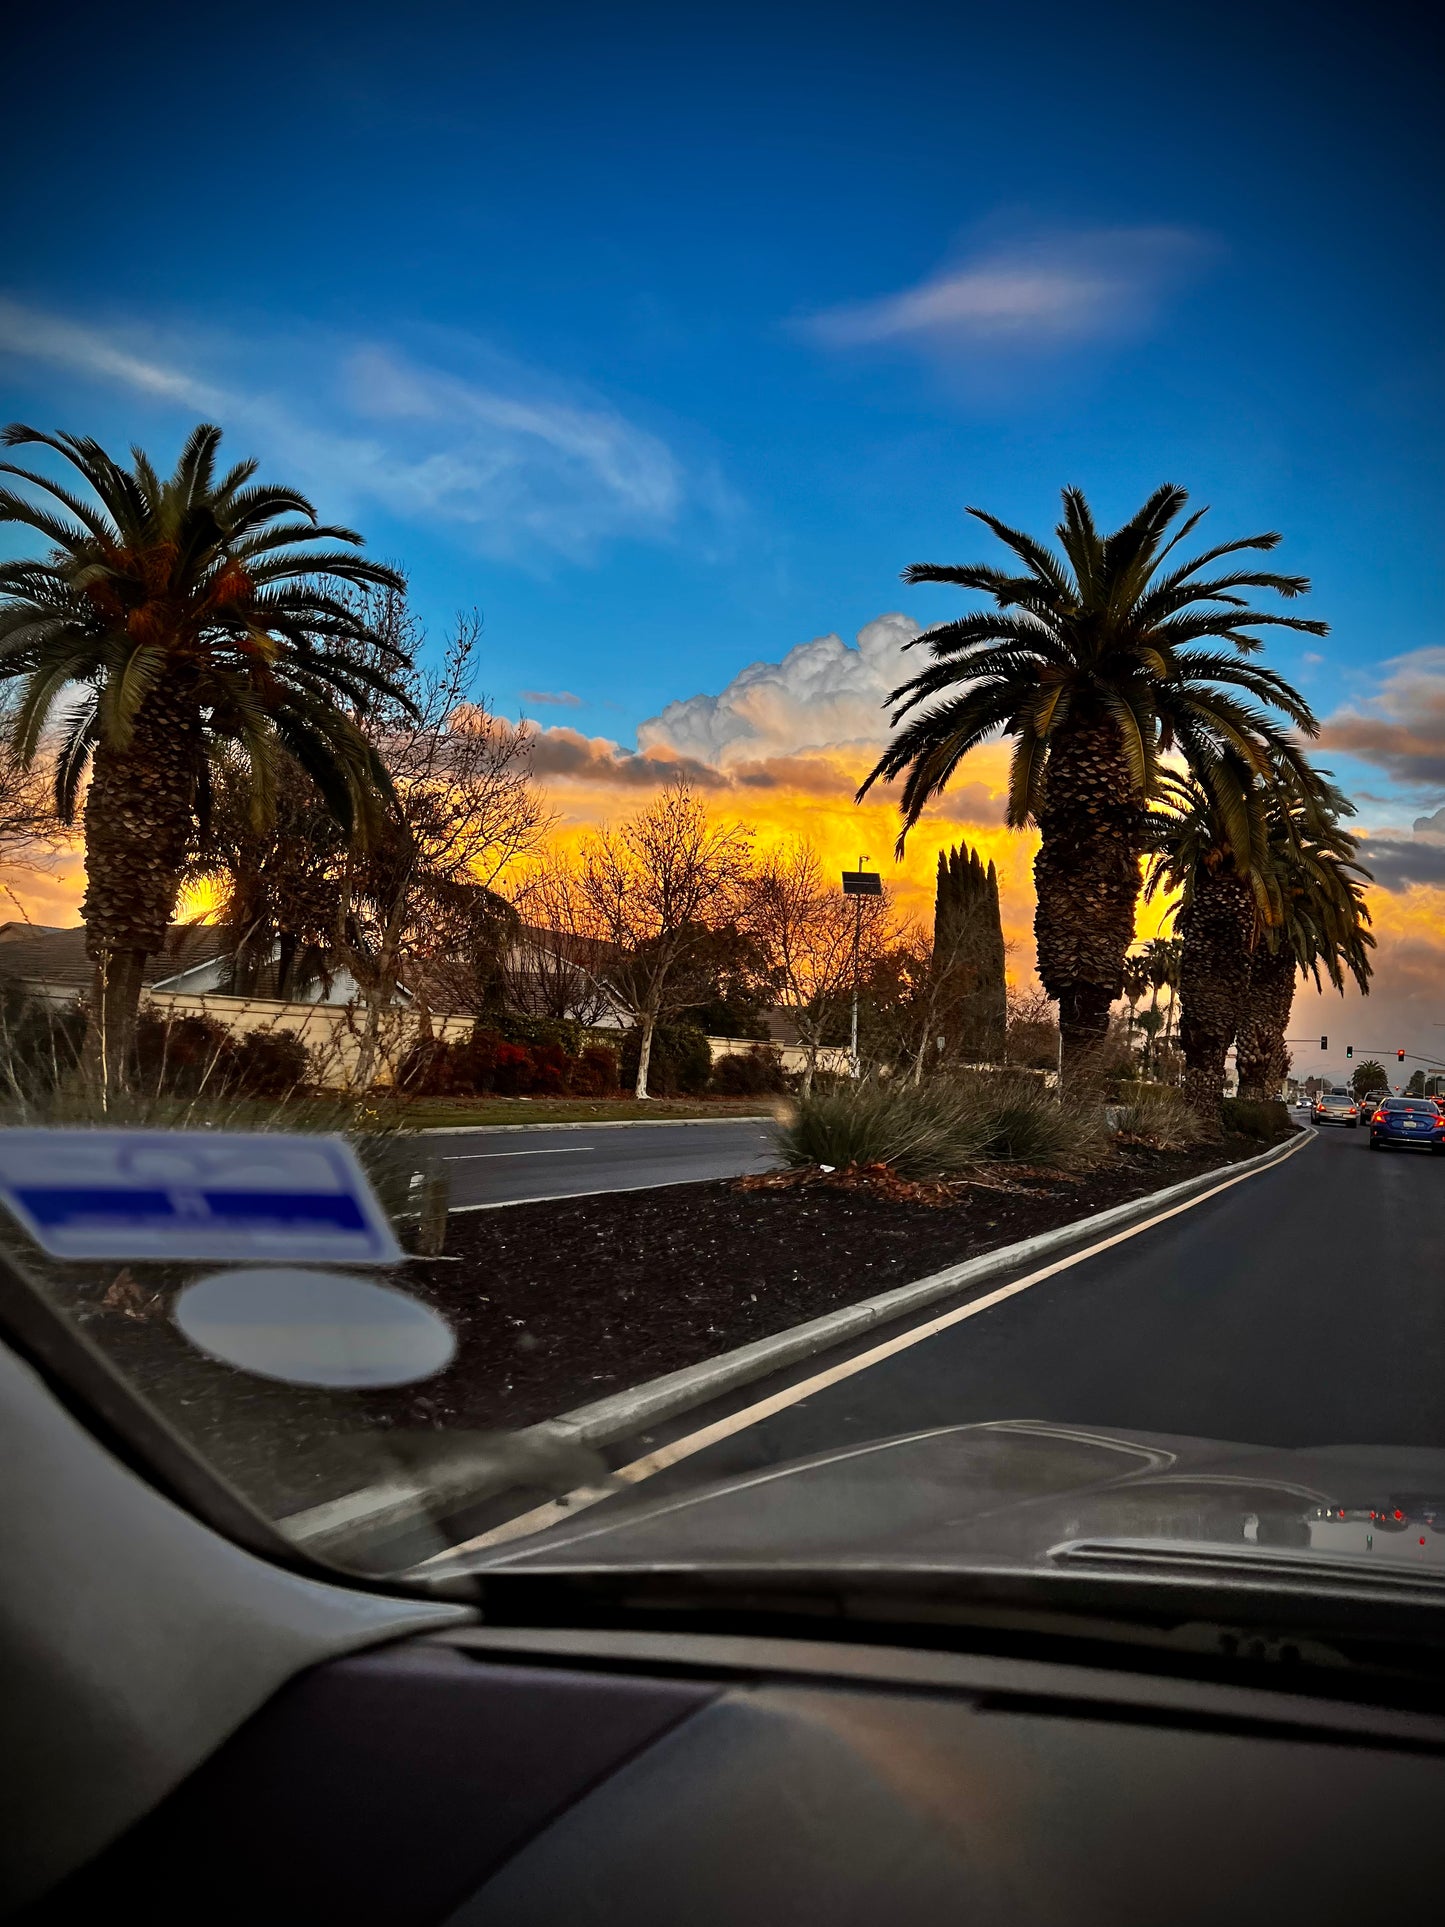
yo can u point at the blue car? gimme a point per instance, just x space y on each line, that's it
1407 1121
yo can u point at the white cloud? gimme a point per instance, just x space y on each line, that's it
1046 292
822 695
526 467
65 344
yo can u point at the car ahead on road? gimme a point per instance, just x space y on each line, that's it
1407 1121
1335 1108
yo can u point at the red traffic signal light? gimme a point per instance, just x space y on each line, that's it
1401 1055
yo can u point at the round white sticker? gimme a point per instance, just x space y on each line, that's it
314 1327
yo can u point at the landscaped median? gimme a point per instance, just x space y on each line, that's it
560 1303
723 1336
580 1321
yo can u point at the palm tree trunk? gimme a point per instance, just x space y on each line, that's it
1087 879
1259 1046
1213 979
139 817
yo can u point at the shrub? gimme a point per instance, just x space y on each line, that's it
1162 1119
514 1027
432 1068
1022 1123
681 1060
39 1044
928 1131
269 1063
181 1056
753 1073
595 1072
1263 1119
488 1062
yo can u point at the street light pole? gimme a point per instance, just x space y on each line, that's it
858 884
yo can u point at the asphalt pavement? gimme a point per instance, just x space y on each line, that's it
1304 1306
494 1167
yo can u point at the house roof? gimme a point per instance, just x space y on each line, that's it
57 957
18 931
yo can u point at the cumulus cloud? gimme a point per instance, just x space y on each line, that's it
1433 825
822 695
1401 729
525 464
808 726
552 698
1047 292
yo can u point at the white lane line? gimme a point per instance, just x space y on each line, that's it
559 1510
605 1191
477 1157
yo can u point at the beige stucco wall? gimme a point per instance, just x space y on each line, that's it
331 1032
795 1058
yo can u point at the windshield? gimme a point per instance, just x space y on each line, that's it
722 791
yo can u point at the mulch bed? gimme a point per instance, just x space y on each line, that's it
556 1304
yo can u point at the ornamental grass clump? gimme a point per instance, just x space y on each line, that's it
926 1131
1023 1123
1162 1120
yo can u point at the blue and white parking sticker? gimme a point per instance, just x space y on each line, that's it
193 1196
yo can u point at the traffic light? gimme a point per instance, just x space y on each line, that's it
1349 1050
1401 1055
1324 1043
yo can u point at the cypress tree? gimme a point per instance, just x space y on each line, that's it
968 955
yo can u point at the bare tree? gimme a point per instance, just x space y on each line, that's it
649 891
554 967
30 830
425 889
804 926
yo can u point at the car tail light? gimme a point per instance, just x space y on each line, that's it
1378 1118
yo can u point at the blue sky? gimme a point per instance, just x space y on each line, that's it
600 318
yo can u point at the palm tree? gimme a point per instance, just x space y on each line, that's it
1162 960
1087 660
1136 982
169 620
1318 922
1214 859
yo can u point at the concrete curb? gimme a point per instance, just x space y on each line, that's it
622 1413
603 1124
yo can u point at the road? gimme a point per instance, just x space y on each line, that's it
1303 1306
512 1166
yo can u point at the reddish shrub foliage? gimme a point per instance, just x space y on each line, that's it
488 1064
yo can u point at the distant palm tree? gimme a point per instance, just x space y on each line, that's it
1087 661
1161 960
1317 922
1369 1077
169 620
1135 976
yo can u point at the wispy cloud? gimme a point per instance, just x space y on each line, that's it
527 465
551 698
1043 293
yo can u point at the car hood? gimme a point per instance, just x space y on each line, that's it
1019 1493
